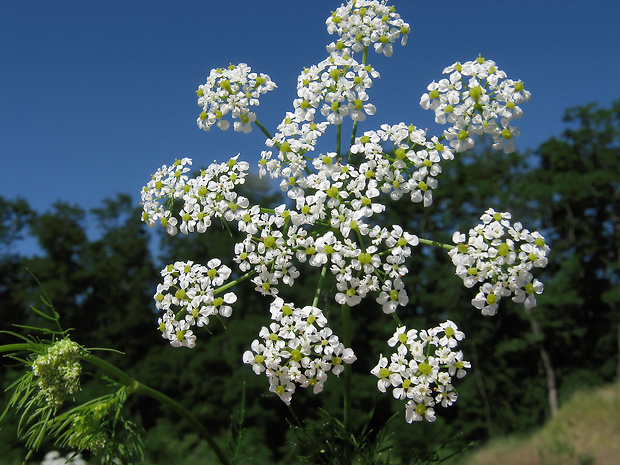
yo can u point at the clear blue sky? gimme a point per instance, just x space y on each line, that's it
96 95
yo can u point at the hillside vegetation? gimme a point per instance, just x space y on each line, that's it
585 431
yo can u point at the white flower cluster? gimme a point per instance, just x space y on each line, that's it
188 297
362 23
335 88
477 98
298 348
233 91
59 371
210 194
422 368
332 217
329 226
499 256
410 167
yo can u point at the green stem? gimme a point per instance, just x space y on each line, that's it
223 287
262 128
139 388
294 415
354 131
19 347
436 244
397 319
338 138
353 134
346 340
319 287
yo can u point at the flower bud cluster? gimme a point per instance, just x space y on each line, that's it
233 91
477 98
421 369
59 371
499 256
99 427
298 348
189 297
362 23
210 194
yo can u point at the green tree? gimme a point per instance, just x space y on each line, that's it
576 187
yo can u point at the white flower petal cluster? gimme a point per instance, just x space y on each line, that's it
499 256
231 91
365 23
210 194
477 98
329 225
413 166
332 218
298 348
59 371
327 93
421 369
188 296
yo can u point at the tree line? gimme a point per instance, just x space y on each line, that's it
524 364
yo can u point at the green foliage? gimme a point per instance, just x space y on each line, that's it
99 427
328 442
103 287
576 436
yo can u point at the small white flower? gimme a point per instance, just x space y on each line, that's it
423 363
500 252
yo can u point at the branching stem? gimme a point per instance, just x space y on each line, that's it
436 244
139 388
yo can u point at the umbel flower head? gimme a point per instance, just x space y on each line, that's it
332 219
59 371
188 297
54 458
231 91
366 23
209 195
499 256
422 368
477 98
298 348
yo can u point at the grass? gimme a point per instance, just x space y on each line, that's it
586 431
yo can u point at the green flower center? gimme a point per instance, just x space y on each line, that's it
425 368
296 355
269 241
503 249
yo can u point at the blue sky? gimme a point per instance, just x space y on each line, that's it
95 96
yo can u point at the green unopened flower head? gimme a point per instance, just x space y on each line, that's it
59 371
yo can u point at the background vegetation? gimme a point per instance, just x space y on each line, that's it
524 366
